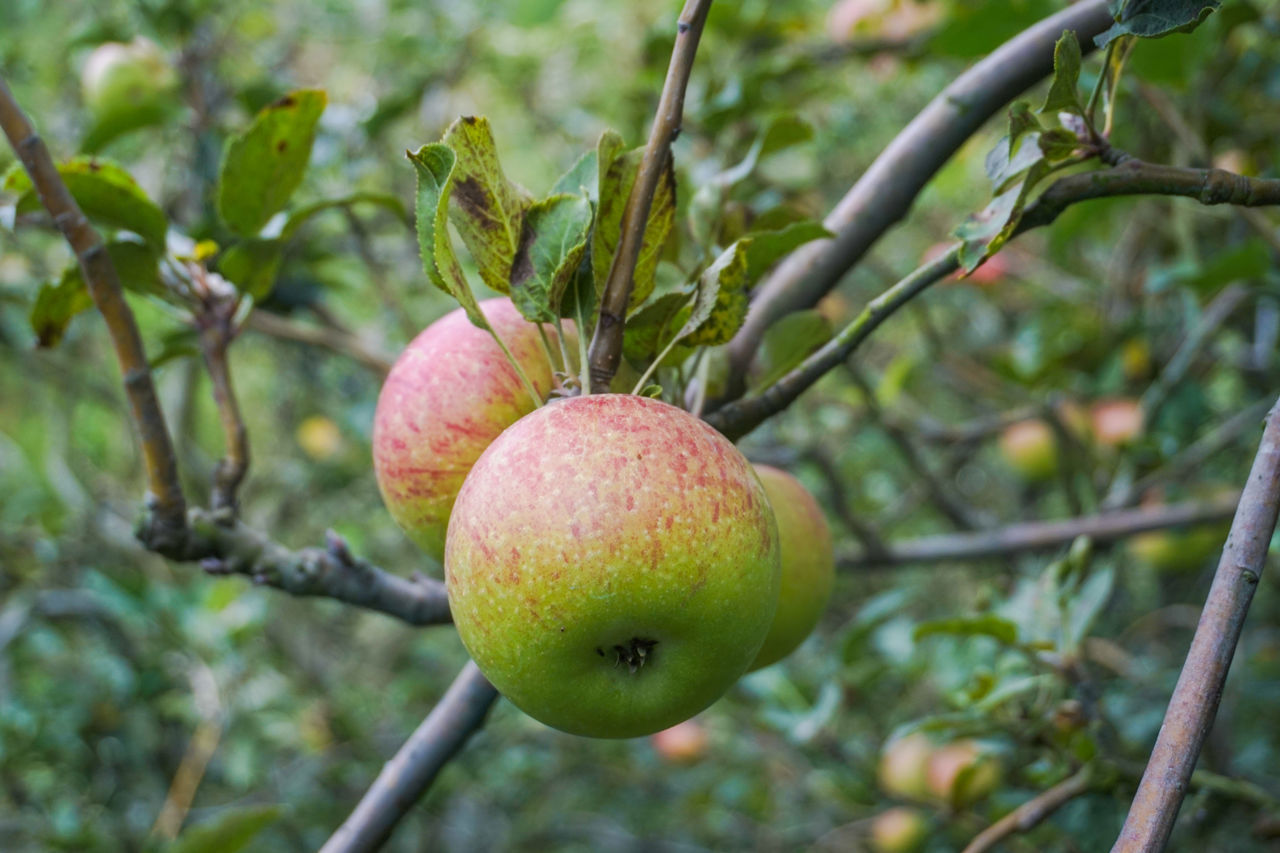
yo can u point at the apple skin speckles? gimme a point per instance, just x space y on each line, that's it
632 525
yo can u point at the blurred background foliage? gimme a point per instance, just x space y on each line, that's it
121 673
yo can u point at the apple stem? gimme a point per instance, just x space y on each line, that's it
566 359
524 377
583 366
546 348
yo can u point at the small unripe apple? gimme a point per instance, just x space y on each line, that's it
130 83
1030 448
904 766
1135 359
961 773
1176 551
683 743
808 564
448 396
899 830
612 565
319 437
1116 422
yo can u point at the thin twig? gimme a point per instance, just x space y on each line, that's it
1042 535
408 775
224 546
164 489
1215 314
1199 690
606 342
215 320
1031 813
336 340
1131 177
939 492
885 192
1192 456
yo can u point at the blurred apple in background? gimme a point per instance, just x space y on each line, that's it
1030 448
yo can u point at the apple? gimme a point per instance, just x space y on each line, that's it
683 743
612 565
961 773
1176 551
808 564
128 84
1116 423
899 830
904 766
449 394
319 437
1135 359
1030 448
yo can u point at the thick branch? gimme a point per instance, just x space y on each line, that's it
1042 535
1131 177
606 343
408 775
1199 690
885 192
1031 813
224 546
165 491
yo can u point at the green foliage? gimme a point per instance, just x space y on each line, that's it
1154 18
232 831
552 246
262 166
618 170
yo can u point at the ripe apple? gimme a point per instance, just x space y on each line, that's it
683 743
904 766
449 394
1116 422
961 773
899 830
612 565
1030 448
808 564
128 84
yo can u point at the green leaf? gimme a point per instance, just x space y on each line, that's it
1155 18
1058 143
768 247
1063 95
1003 167
784 131
435 165
988 625
650 328
106 193
616 182
263 166
583 177
183 342
252 266
54 307
552 243
788 342
720 301
487 209
299 217
986 232
1021 120
229 832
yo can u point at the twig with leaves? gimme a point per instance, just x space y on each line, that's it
1195 698
605 352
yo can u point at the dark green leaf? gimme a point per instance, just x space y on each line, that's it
55 305
988 625
651 327
263 166
720 301
783 132
1058 143
435 165
615 188
228 832
486 208
787 343
766 248
1155 18
252 266
551 247
1063 95
106 193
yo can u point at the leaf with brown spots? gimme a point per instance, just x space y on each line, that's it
720 304
617 177
263 166
487 209
106 193
553 241
435 164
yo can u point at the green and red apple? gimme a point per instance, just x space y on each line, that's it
899 830
612 565
448 396
962 773
684 743
904 766
1030 448
808 564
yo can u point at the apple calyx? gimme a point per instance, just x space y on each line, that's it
634 654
